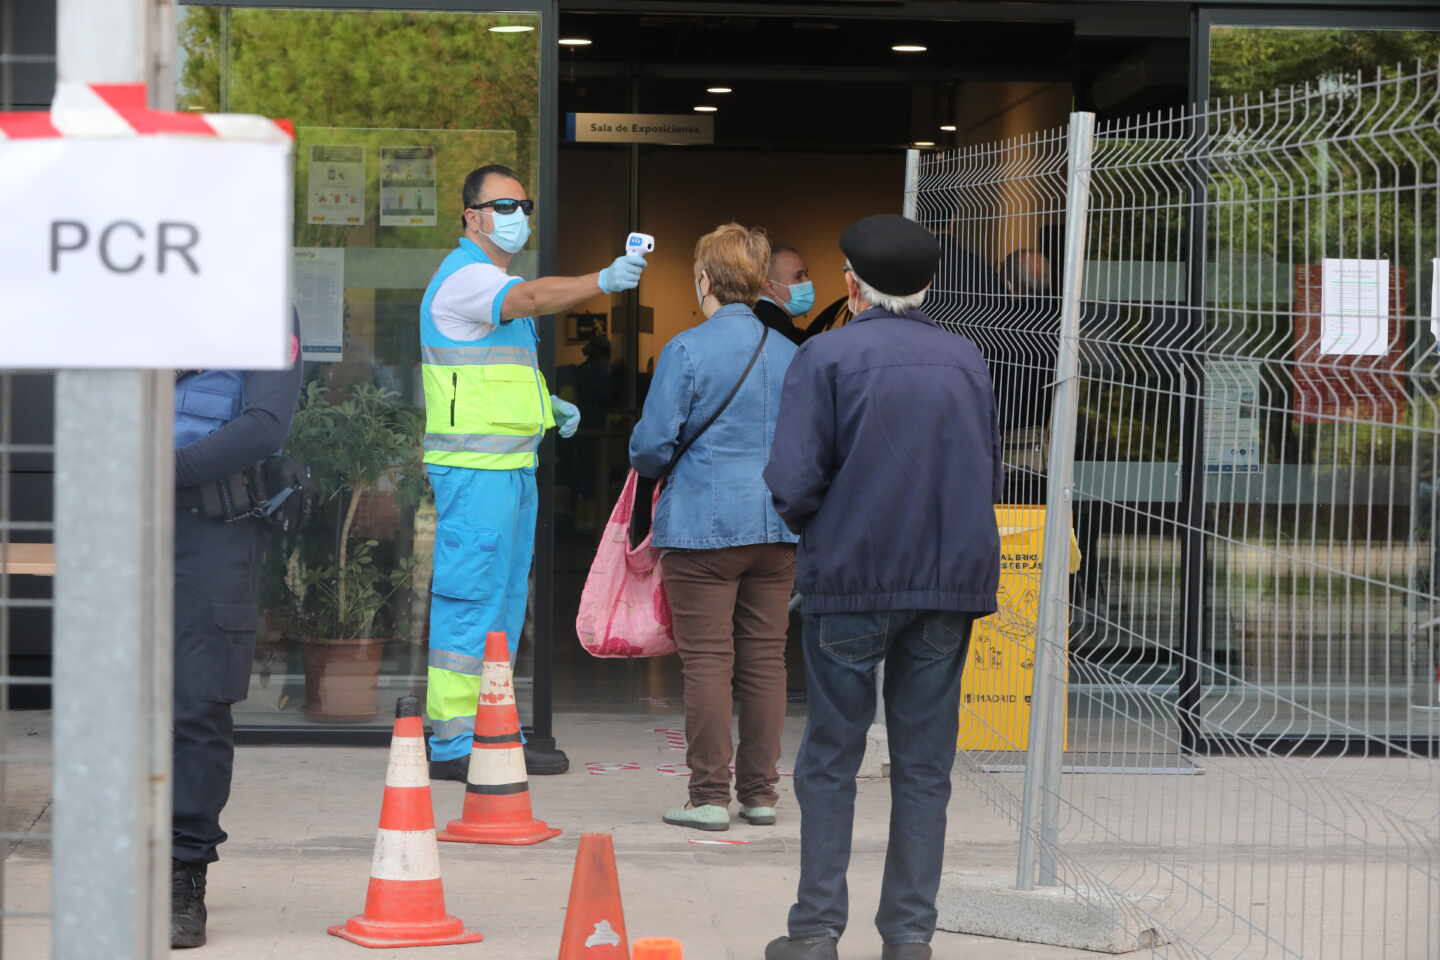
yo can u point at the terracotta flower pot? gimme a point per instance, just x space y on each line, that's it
342 679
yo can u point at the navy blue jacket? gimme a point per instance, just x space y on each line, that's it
887 463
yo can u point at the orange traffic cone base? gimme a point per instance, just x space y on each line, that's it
511 834
368 933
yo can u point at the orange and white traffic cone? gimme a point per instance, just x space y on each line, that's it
497 796
595 918
658 948
405 906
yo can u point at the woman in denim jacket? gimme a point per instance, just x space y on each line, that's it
729 560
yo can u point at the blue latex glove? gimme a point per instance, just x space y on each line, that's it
623 274
567 416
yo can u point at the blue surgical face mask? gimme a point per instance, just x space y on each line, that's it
802 298
512 231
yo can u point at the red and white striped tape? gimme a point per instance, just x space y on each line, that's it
674 739
118 110
603 769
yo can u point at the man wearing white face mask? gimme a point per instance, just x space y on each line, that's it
788 294
487 408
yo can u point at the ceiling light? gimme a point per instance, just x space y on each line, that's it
924 143
909 48
718 90
705 109
512 28
575 41
948 127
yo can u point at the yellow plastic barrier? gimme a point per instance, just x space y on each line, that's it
1000 671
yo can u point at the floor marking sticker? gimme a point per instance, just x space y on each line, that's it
603 769
722 843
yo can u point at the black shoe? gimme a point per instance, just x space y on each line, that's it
545 763
905 951
456 769
792 948
187 904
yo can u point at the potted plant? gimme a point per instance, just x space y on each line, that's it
337 584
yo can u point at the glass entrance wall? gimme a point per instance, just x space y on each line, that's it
1325 600
391 111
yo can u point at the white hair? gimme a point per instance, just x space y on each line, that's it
885 301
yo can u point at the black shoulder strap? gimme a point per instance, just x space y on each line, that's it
765 333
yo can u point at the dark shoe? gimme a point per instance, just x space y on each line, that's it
456 769
905 951
187 904
545 763
812 948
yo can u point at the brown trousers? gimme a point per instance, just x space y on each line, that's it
730 609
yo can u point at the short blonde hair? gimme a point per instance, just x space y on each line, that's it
737 261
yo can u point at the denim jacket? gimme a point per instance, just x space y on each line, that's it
716 497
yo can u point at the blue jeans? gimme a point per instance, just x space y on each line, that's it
924 655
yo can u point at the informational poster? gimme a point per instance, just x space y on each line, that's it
1357 384
1232 424
319 296
336 187
995 693
407 187
1355 300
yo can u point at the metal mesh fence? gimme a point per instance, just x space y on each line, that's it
1254 470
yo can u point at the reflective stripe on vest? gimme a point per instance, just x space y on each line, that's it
487 405
478 356
481 443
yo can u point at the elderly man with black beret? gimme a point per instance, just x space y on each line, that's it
886 461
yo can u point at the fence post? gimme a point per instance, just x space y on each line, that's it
114 502
1040 811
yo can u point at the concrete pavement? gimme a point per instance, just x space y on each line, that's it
302 824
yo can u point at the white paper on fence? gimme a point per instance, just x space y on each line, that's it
124 253
318 277
1232 420
1355 308
1435 300
336 187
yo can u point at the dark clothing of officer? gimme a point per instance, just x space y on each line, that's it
215 619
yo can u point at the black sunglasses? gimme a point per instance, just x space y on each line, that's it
506 206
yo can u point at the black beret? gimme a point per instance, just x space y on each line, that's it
894 255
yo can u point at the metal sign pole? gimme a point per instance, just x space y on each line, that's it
1039 830
114 496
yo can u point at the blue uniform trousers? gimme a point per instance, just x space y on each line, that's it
484 544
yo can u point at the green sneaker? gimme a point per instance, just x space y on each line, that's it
710 816
758 816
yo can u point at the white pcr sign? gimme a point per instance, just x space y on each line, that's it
145 252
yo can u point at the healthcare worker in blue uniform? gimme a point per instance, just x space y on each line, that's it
225 422
487 408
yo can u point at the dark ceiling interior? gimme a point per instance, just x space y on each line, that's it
823 82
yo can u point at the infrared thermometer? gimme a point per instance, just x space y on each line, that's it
639 244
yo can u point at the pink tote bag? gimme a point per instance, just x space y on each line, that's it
623 610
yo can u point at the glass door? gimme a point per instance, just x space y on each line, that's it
392 109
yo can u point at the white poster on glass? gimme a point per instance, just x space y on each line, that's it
319 296
407 187
336 188
1355 305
